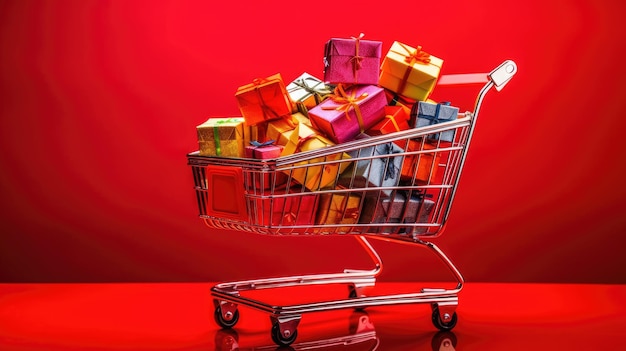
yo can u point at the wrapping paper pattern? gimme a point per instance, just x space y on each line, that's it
352 61
222 137
349 112
426 113
264 99
410 71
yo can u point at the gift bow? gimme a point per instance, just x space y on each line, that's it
416 56
318 93
393 121
216 133
356 59
346 102
255 143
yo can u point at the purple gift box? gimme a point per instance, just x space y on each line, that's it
401 208
263 151
352 61
348 113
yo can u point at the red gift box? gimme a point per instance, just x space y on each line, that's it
264 99
395 120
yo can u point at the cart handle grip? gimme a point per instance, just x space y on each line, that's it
499 76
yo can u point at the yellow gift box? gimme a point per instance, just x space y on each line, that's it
307 173
222 136
339 208
410 71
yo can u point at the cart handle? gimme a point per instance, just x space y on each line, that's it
499 76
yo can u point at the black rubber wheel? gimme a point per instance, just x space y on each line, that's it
440 324
224 323
279 339
352 295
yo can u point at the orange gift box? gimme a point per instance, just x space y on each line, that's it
264 99
423 166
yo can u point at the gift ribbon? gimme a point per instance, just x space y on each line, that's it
356 59
216 134
255 143
343 212
393 121
346 102
415 56
391 171
318 93
267 111
434 119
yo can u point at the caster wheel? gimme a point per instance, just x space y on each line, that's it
440 324
352 294
279 339
225 322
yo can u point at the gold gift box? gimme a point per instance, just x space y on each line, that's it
222 136
338 208
313 177
409 72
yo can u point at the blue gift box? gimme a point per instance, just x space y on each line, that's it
377 167
426 113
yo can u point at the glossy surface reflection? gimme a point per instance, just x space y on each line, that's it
179 317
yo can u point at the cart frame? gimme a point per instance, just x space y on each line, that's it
285 319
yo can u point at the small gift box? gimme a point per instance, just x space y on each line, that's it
403 207
263 151
375 166
222 137
285 207
264 99
339 208
394 99
312 176
425 113
395 120
307 92
349 112
352 61
421 167
410 71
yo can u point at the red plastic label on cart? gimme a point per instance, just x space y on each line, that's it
226 193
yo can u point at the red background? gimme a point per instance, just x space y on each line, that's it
99 101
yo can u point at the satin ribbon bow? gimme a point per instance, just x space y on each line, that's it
416 56
346 102
318 93
356 59
255 143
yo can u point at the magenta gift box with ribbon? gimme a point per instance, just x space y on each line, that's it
352 61
349 112
263 151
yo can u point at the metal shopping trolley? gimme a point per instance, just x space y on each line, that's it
291 195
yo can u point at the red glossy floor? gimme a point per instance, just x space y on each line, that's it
180 317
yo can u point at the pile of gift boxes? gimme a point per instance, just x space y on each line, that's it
362 94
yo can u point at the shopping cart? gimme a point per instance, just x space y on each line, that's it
268 197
